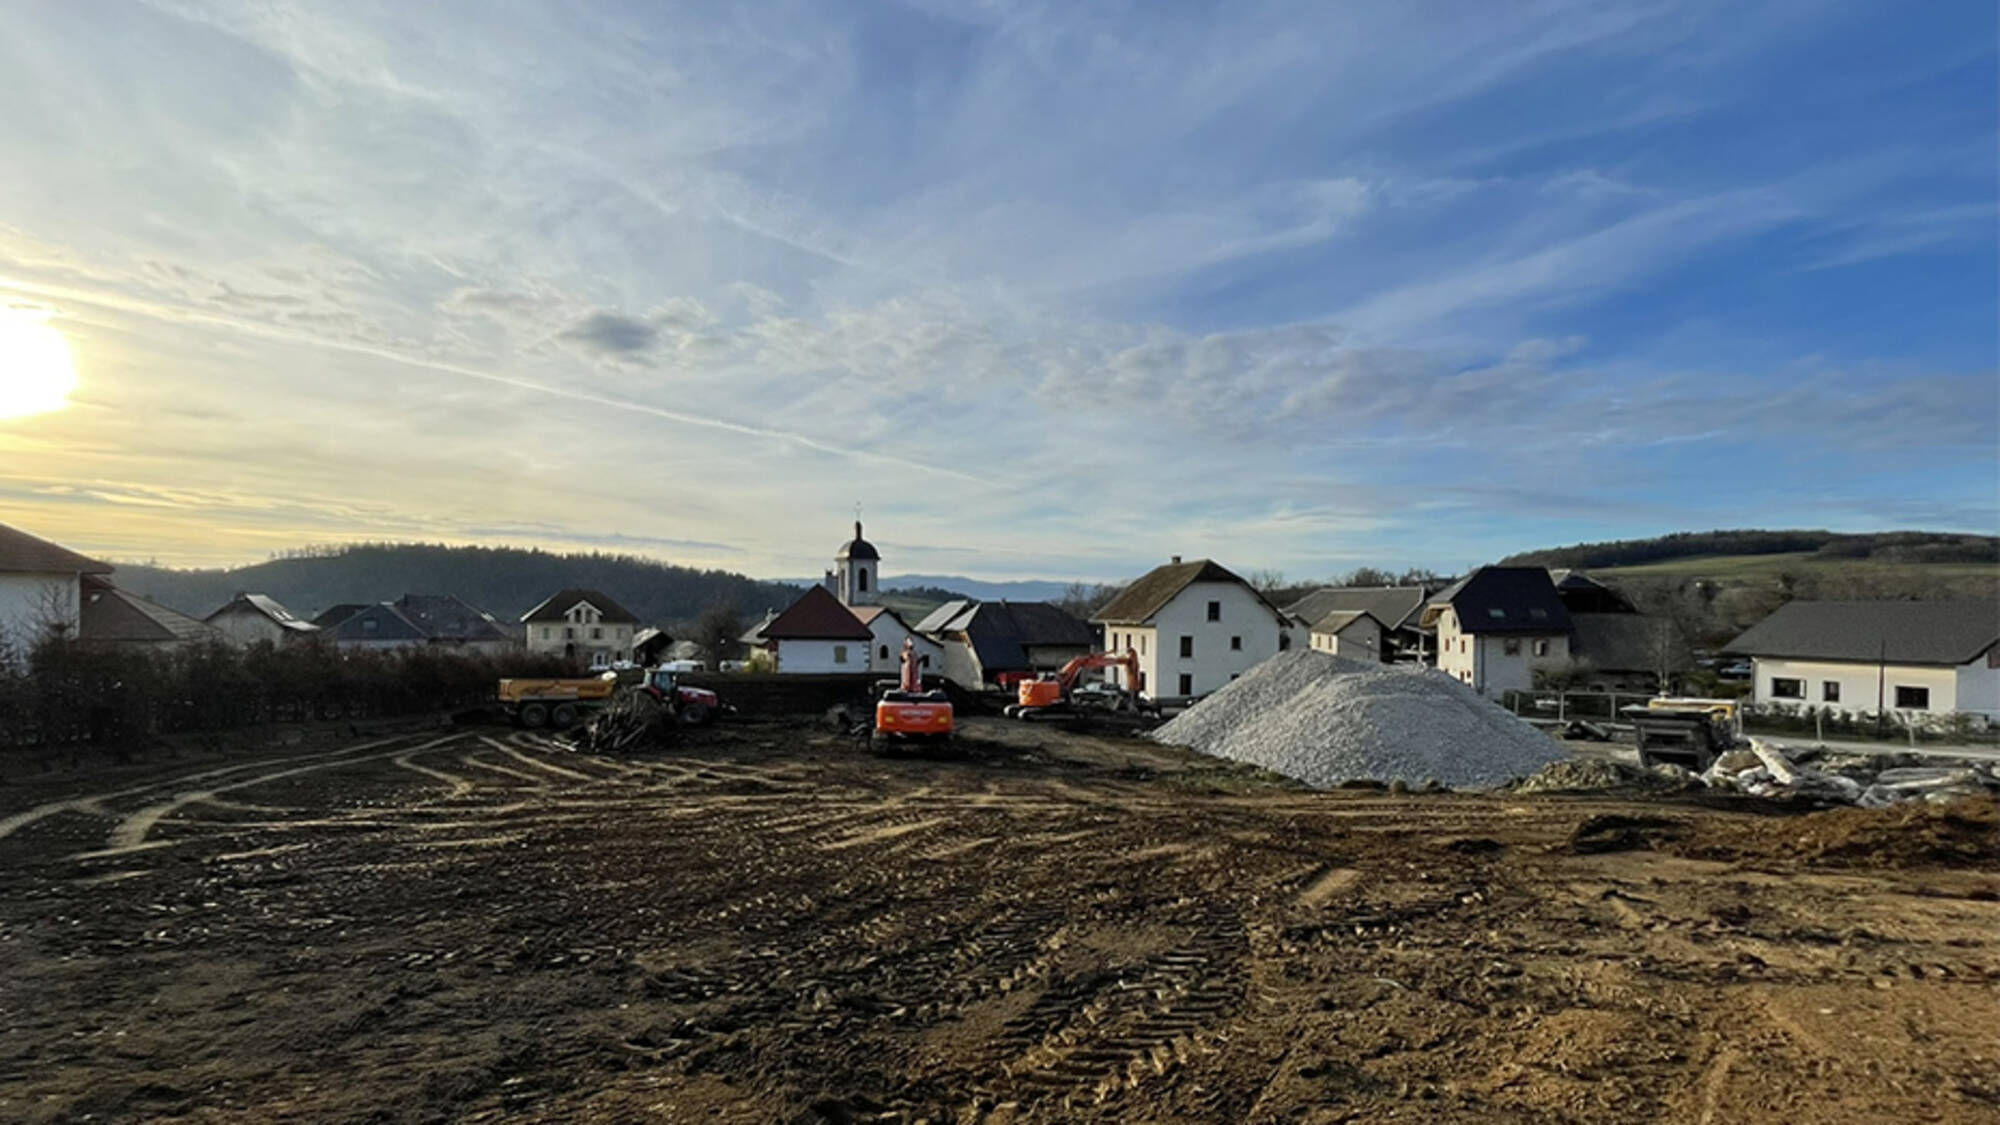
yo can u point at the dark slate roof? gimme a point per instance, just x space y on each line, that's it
1580 593
22 553
1394 606
556 605
1623 642
817 616
390 625
267 606
1503 599
1136 604
328 618
443 617
857 548
1001 633
1898 632
112 616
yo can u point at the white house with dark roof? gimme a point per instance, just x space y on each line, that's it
250 618
983 641
1353 633
1913 658
1195 626
1496 625
41 588
583 626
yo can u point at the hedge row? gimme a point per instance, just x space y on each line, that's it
65 692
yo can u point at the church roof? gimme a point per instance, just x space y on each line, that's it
857 548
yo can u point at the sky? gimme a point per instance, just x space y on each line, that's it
1049 290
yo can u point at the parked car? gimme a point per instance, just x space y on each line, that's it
1738 671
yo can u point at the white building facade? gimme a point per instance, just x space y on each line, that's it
1357 636
1495 664
1194 627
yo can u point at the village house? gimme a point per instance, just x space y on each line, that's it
1874 657
1397 612
41 589
817 634
250 618
1194 626
419 621
984 641
1496 625
583 627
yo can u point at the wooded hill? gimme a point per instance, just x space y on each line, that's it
1899 547
504 581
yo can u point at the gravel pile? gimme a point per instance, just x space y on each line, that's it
1324 719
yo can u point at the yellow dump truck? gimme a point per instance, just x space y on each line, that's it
559 701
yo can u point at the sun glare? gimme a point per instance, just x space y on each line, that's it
37 374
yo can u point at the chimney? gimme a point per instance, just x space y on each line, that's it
1177 560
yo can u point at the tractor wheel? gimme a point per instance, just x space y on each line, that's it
696 715
533 715
563 717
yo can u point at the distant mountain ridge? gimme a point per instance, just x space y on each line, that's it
1906 547
1022 590
504 581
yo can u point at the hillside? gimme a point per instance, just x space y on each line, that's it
1901 548
505 581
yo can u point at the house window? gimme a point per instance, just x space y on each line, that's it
1142 644
1542 647
1784 687
1511 646
546 631
1496 611
1187 684
1829 691
1236 644
1187 648
569 633
1215 611
596 632
1913 698
885 652
840 654
1142 680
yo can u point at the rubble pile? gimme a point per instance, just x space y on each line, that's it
1324 719
1765 770
1576 775
634 720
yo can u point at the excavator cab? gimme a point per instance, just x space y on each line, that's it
907 713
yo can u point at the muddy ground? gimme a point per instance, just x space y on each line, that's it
766 926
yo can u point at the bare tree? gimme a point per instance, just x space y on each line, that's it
716 632
1266 579
1081 599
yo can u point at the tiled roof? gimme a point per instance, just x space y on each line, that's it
816 616
1393 606
22 553
1136 604
266 606
112 616
554 608
1942 632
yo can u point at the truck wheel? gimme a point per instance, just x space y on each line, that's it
563 717
533 715
696 715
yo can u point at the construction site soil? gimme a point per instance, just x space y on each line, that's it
766 924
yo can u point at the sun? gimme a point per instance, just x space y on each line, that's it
37 373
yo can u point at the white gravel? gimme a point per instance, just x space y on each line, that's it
1324 719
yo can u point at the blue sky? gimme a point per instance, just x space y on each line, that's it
1053 290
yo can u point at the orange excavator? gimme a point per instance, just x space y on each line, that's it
1057 693
907 713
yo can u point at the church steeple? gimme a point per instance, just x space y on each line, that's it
857 570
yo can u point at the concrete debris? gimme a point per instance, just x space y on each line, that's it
1584 775
1768 771
1324 719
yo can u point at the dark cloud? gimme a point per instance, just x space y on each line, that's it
612 334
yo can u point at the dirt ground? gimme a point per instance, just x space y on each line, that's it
767 926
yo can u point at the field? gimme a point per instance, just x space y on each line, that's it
767 925
1754 568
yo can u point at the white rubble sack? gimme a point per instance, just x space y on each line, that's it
1324 719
